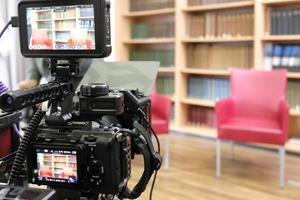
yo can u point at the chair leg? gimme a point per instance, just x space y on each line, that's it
281 154
218 158
167 152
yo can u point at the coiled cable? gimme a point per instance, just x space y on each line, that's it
29 136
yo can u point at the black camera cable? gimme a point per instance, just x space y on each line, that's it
5 28
158 150
29 136
14 22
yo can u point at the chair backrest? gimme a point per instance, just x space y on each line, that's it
257 93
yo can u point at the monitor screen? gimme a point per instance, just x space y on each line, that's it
61 27
59 166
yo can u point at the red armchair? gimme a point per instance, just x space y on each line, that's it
160 118
40 39
6 141
256 111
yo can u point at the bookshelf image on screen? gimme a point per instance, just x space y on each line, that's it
61 28
57 165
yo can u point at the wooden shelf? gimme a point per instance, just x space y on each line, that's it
167 69
294 113
281 38
150 12
218 40
220 6
198 102
198 131
44 20
210 72
294 75
150 41
65 19
280 2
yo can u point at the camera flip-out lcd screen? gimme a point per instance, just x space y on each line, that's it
59 166
61 27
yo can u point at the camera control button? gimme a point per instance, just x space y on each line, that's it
91 139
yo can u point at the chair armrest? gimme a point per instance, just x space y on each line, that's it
161 106
284 115
224 110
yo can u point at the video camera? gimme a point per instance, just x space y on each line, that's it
80 143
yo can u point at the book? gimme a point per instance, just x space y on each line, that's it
165 85
165 57
293 95
285 21
285 56
220 56
208 2
153 30
201 117
141 5
207 88
221 24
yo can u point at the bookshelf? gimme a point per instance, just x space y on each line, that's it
249 43
50 23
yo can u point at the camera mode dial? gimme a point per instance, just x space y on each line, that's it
94 90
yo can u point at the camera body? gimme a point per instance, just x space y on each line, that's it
81 144
92 160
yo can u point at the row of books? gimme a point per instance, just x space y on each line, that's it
165 85
69 24
140 5
220 56
221 24
282 56
293 95
207 88
153 30
200 116
165 57
66 14
86 12
63 36
205 2
285 21
44 25
44 15
88 24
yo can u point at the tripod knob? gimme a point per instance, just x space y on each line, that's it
94 90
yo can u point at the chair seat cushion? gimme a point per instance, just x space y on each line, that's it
252 130
159 125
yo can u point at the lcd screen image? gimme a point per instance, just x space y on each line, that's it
61 28
58 166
